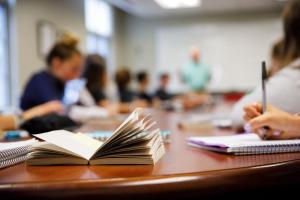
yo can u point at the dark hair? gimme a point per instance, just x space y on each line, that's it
122 77
291 42
94 72
277 49
63 49
163 76
141 76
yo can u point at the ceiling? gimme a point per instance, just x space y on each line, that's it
149 9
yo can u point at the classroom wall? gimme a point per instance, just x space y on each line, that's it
67 14
150 44
136 41
117 39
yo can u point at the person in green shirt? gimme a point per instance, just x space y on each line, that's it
196 74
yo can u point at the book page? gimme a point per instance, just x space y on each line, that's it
78 143
127 124
52 148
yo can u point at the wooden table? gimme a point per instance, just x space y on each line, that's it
183 172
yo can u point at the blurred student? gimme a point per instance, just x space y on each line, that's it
283 88
123 79
162 92
128 99
96 76
196 74
11 122
143 83
282 125
96 99
64 63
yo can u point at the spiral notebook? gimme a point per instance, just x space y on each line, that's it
12 153
244 144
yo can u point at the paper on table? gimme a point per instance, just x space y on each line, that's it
80 144
11 145
242 140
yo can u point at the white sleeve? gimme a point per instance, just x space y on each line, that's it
237 112
283 91
85 98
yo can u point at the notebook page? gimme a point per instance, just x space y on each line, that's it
242 140
12 145
80 144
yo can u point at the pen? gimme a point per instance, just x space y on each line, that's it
264 78
264 96
263 131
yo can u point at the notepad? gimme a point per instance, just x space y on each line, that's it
244 144
135 141
12 153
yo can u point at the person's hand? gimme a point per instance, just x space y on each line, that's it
192 100
139 103
8 122
53 106
112 109
281 125
43 109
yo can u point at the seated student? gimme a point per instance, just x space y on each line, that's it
11 122
123 78
162 93
128 99
282 125
99 90
283 89
96 76
143 82
64 63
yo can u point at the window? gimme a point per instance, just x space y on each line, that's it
98 17
99 23
4 61
98 44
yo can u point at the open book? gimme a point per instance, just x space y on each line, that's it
133 142
244 144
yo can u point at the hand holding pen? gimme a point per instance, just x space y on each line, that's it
282 125
256 110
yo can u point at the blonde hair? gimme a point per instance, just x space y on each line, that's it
64 48
69 39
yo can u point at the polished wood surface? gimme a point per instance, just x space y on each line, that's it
183 170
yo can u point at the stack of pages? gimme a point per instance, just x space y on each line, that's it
12 153
244 144
133 142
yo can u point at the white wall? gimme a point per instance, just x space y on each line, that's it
233 50
137 42
67 14
236 44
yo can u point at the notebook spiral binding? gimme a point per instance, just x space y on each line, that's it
13 161
12 153
267 149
